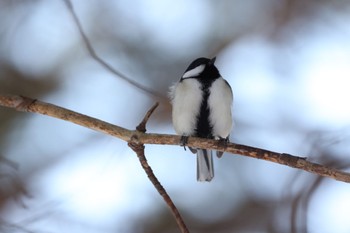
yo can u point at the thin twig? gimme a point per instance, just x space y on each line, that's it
142 126
166 139
139 149
102 62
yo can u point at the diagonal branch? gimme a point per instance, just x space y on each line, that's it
142 126
29 105
99 60
139 149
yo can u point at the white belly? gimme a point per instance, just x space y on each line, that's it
220 103
187 97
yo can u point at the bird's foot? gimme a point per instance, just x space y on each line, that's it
222 142
183 142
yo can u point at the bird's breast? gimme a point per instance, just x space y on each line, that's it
187 98
220 103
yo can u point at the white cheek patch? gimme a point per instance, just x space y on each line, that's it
194 72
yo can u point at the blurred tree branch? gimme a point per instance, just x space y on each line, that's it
98 59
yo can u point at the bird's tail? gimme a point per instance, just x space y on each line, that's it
205 166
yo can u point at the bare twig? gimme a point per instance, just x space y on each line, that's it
165 139
142 126
102 62
139 149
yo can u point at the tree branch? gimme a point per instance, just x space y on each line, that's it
21 103
140 151
99 60
142 126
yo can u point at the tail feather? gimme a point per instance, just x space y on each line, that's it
205 166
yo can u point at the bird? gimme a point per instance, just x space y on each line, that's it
202 107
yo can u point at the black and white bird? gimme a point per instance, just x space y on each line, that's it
202 102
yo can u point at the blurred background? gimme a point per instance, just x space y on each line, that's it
288 62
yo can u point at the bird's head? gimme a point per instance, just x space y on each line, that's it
201 67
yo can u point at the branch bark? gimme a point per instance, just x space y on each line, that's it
21 103
140 151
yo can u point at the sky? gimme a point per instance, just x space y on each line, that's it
283 93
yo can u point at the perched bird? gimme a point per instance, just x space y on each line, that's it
201 103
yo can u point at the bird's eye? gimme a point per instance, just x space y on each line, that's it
194 72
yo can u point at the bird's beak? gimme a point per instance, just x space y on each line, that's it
212 61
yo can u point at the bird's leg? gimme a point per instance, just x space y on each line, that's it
222 142
183 142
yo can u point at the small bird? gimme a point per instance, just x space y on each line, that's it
202 102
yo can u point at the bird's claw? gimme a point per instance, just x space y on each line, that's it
183 142
222 142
